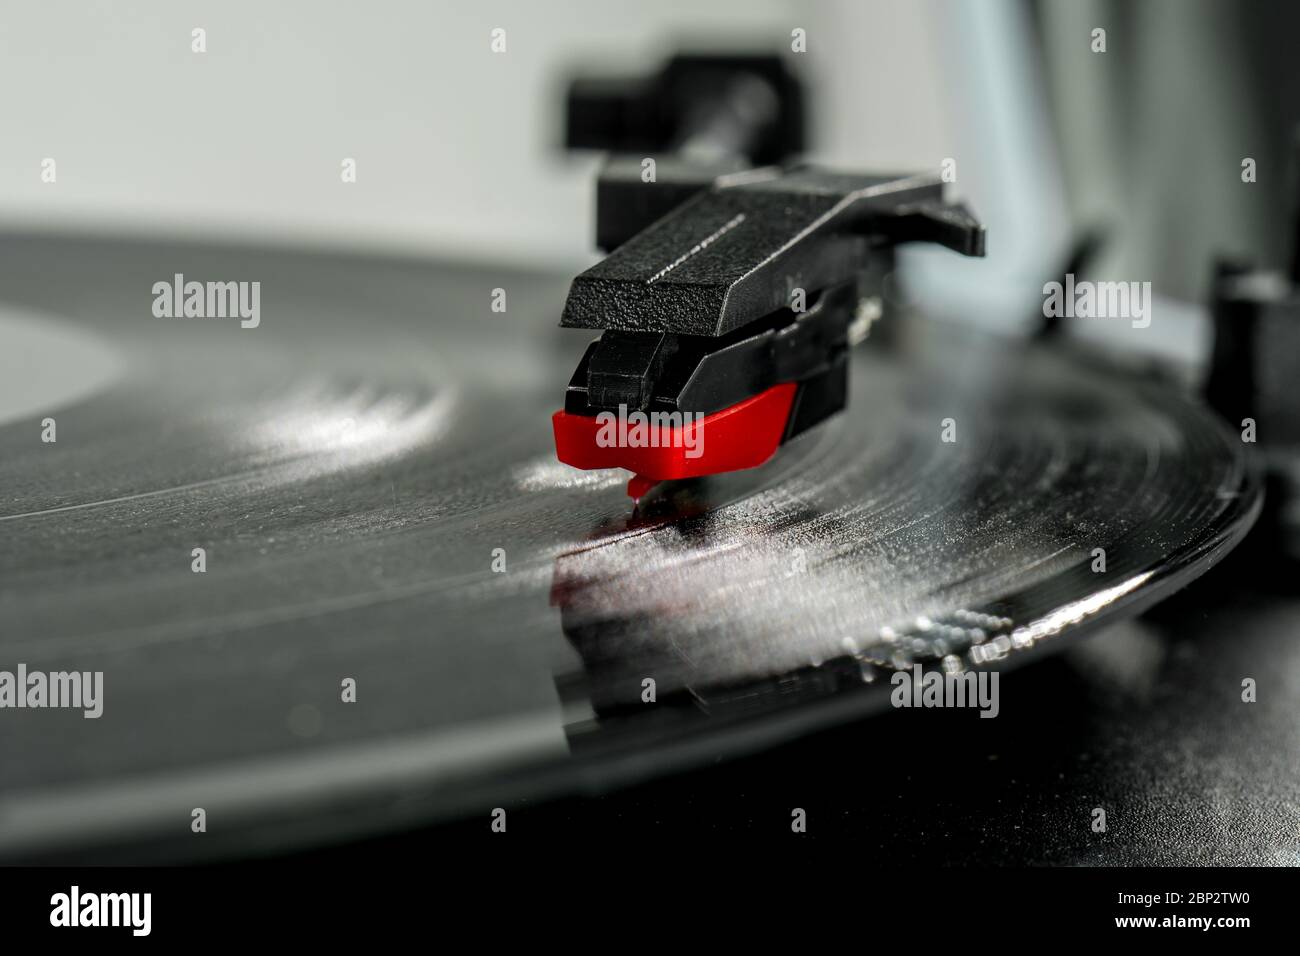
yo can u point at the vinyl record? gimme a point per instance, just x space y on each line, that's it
369 479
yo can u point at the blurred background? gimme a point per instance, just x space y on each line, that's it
457 148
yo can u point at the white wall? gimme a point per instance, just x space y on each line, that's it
455 145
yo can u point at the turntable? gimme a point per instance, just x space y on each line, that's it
339 583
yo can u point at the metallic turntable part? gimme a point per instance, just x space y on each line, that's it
704 107
1252 374
759 600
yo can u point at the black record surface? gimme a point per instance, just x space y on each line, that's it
371 476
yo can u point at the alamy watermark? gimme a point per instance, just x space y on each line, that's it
22 688
919 688
651 430
179 299
77 909
1098 300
